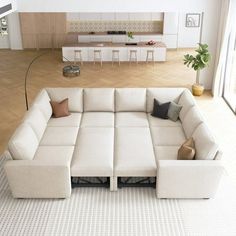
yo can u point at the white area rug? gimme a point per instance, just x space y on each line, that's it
128 212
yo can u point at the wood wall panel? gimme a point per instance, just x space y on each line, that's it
43 30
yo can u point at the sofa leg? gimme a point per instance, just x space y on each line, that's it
113 183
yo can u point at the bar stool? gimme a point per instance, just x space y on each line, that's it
150 56
115 56
97 56
78 56
133 56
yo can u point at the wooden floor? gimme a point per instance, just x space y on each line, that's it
47 72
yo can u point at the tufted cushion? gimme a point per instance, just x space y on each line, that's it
130 99
99 99
24 143
75 96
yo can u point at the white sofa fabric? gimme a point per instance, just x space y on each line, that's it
111 133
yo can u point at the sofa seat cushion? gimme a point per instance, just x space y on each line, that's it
130 99
59 136
23 143
74 95
73 120
157 122
55 154
205 144
99 99
97 119
93 155
167 136
131 119
134 155
166 152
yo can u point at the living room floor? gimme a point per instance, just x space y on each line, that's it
47 72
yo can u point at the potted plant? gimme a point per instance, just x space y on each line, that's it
198 62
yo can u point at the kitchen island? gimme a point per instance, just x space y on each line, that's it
87 51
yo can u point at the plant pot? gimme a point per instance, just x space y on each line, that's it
197 89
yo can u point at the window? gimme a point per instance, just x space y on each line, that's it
3 26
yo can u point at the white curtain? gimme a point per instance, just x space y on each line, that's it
226 21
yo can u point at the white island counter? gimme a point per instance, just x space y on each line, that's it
87 51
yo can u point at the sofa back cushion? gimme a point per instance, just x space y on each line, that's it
162 95
75 96
187 101
130 99
205 144
24 143
191 121
35 118
99 99
43 102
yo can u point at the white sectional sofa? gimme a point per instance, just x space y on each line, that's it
110 133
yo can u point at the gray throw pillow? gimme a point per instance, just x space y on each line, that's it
174 110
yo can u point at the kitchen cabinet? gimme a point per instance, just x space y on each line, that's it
119 38
157 16
43 30
84 39
146 38
90 16
122 16
100 38
170 23
140 16
170 40
159 53
107 16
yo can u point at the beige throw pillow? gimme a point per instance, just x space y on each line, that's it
60 109
187 150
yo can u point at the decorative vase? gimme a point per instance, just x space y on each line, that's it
197 89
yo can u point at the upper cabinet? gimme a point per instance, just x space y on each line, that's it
140 16
90 16
122 16
170 23
107 16
157 16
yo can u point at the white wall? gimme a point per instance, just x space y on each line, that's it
209 7
6 2
14 31
188 37
4 41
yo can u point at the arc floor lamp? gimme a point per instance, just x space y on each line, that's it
68 71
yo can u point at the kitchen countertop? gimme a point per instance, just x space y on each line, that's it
106 44
105 33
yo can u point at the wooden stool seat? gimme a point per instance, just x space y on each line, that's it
115 56
97 56
133 56
150 56
78 56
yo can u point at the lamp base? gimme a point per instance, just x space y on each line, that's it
71 71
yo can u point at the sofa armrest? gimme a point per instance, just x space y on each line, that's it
188 179
38 179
